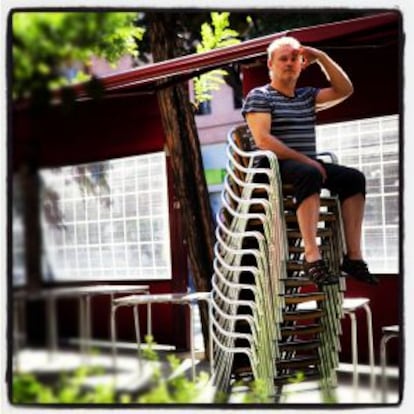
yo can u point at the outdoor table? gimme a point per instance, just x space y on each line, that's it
84 294
149 299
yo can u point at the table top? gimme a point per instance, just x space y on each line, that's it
184 297
58 291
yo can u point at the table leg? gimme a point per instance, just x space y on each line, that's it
16 332
192 341
23 324
81 322
113 334
52 328
137 334
149 319
88 330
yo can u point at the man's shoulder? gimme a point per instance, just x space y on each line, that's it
259 90
257 100
306 91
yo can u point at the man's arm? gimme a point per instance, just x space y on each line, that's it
341 86
259 124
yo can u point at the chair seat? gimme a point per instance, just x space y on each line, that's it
392 329
303 314
300 345
294 282
291 299
310 329
352 304
297 362
289 203
291 217
296 234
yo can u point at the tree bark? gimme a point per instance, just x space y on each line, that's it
188 174
30 190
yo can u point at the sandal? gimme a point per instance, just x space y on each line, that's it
359 270
319 273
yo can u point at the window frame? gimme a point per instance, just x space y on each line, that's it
147 274
339 142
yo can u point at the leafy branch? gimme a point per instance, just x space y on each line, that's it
53 49
216 35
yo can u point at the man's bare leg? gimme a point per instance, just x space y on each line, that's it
352 214
308 216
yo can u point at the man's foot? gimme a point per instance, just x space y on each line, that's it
359 270
319 273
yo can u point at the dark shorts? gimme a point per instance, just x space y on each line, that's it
307 180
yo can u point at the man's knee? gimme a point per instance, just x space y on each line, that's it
308 182
357 181
310 175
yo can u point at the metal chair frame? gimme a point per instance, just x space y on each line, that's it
245 203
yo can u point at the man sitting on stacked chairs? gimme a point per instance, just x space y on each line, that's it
281 119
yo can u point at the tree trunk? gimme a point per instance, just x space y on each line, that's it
30 190
188 173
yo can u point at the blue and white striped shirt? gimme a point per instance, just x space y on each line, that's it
293 119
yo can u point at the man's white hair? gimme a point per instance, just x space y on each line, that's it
282 41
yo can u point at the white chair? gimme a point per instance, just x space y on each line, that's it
388 332
350 307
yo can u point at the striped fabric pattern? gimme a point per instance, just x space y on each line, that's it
293 119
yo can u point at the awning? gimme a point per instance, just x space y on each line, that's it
372 31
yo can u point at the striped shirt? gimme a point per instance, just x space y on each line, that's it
293 119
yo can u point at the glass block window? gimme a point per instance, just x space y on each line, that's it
372 146
18 248
107 220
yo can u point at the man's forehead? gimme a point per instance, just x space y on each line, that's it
286 50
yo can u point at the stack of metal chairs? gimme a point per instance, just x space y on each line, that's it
270 324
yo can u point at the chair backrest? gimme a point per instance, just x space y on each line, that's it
244 138
238 135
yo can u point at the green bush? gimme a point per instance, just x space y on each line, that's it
175 388
27 389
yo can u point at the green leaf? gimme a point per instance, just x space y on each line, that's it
213 36
47 43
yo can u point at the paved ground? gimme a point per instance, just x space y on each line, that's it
129 376
133 378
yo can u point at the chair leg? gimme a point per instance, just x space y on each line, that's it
354 339
383 357
370 346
